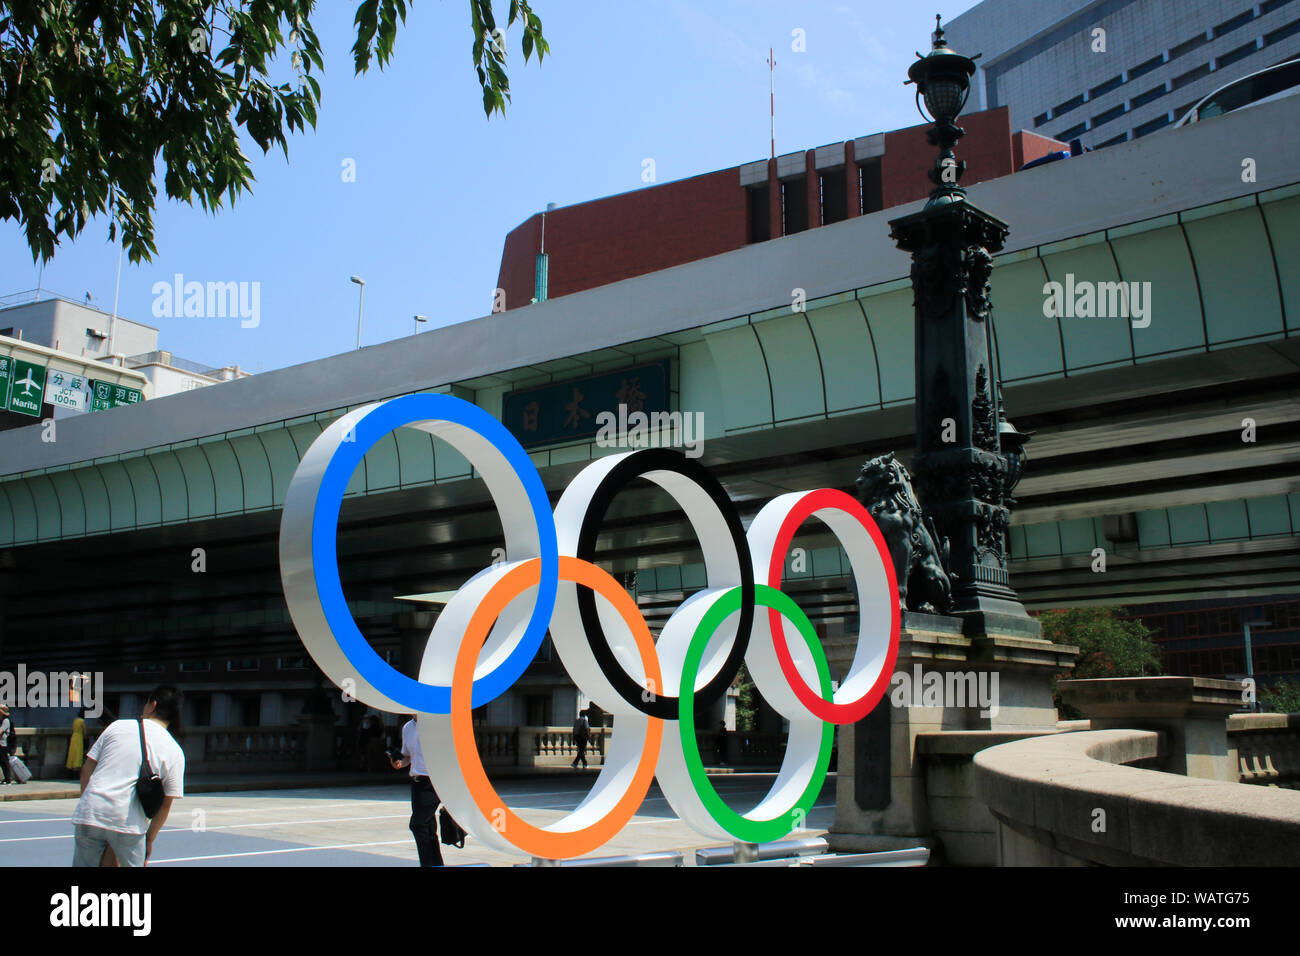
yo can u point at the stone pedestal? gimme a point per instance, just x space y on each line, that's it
1192 712
952 674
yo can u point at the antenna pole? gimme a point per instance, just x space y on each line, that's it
771 96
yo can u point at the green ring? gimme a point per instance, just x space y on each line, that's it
739 826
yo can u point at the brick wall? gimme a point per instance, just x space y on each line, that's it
605 240
602 241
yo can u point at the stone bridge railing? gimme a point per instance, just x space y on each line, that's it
1068 799
319 744
1268 748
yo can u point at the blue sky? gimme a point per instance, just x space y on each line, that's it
438 186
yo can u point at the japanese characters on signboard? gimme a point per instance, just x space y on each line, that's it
567 411
66 390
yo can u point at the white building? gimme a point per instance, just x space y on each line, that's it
1106 71
77 337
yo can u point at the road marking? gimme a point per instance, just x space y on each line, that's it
283 823
296 849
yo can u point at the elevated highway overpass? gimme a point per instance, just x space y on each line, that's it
1138 441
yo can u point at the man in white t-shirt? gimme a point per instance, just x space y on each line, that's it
424 799
109 813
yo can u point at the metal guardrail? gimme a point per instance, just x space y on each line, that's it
658 858
747 853
917 856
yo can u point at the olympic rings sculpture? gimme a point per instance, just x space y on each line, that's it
490 631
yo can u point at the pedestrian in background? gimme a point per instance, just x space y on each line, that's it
109 814
424 799
8 743
77 743
581 734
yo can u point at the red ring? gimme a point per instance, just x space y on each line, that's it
853 711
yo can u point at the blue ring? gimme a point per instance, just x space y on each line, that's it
373 426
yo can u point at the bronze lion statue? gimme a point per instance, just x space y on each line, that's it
919 554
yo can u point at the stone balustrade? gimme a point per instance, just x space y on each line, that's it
317 743
245 749
1267 748
1068 799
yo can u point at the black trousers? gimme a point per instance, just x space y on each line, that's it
582 752
4 762
424 821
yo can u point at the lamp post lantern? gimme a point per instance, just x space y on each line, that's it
942 81
419 319
969 458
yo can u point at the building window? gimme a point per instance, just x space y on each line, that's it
1109 115
1272 5
298 663
1234 56
835 196
537 710
760 223
1291 29
1040 119
147 669
794 205
196 667
1151 127
544 652
1142 69
871 186
1240 20
244 664
200 710
1113 83
1070 104
1072 133
1113 141
1150 96
248 710
1184 48
1191 76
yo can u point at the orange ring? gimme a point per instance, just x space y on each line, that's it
537 841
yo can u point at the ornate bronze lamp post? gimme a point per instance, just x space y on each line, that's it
968 457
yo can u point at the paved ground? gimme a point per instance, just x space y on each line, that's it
360 825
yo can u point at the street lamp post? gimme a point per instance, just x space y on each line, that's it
418 319
969 458
361 298
1250 663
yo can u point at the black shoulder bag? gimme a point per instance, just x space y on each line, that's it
449 830
149 788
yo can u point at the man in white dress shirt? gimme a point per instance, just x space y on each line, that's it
424 799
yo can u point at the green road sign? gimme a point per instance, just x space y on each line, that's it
6 378
106 395
27 388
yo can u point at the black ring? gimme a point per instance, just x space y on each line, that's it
636 465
